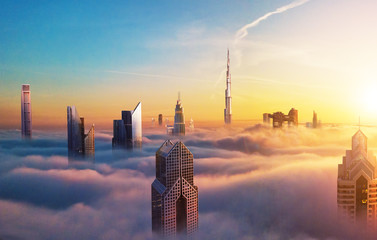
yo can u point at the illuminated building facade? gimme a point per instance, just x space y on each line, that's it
228 97
179 119
174 195
127 132
26 111
79 143
357 184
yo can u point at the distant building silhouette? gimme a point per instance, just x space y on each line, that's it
191 126
174 195
357 184
160 120
179 118
228 97
315 120
127 133
266 118
278 118
79 143
26 127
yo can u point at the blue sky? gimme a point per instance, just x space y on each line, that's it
107 56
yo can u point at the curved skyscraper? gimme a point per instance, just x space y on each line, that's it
228 97
179 118
174 195
128 131
79 143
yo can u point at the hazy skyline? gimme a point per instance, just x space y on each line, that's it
103 57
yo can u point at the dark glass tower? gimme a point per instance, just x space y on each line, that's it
128 131
174 195
79 143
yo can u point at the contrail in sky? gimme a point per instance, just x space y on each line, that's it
242 32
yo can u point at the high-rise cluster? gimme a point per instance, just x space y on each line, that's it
127 132
278 118
357 184
26 111
79 143
174 195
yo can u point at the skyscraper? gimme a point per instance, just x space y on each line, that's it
160 119
191 126
89 142
266 118
79 143
26 111
174 195
228 98
357 184
179 118
315 120
128 131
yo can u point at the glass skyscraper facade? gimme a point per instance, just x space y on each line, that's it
127 132
174 195
79 143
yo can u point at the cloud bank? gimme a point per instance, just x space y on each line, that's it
254 183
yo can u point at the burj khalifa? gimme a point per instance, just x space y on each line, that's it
228 98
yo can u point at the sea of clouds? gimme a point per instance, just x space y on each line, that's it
254 183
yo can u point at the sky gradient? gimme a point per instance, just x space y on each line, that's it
104 57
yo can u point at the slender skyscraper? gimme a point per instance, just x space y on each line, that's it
128 131
79 143
25 110
74 132
228 98
315 121
160 119
174 195
191 126
179 118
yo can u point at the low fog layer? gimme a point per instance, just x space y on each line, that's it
254 183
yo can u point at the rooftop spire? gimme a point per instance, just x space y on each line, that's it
227 67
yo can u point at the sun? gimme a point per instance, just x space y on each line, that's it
369 99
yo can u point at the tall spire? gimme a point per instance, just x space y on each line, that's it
228 97
227 68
